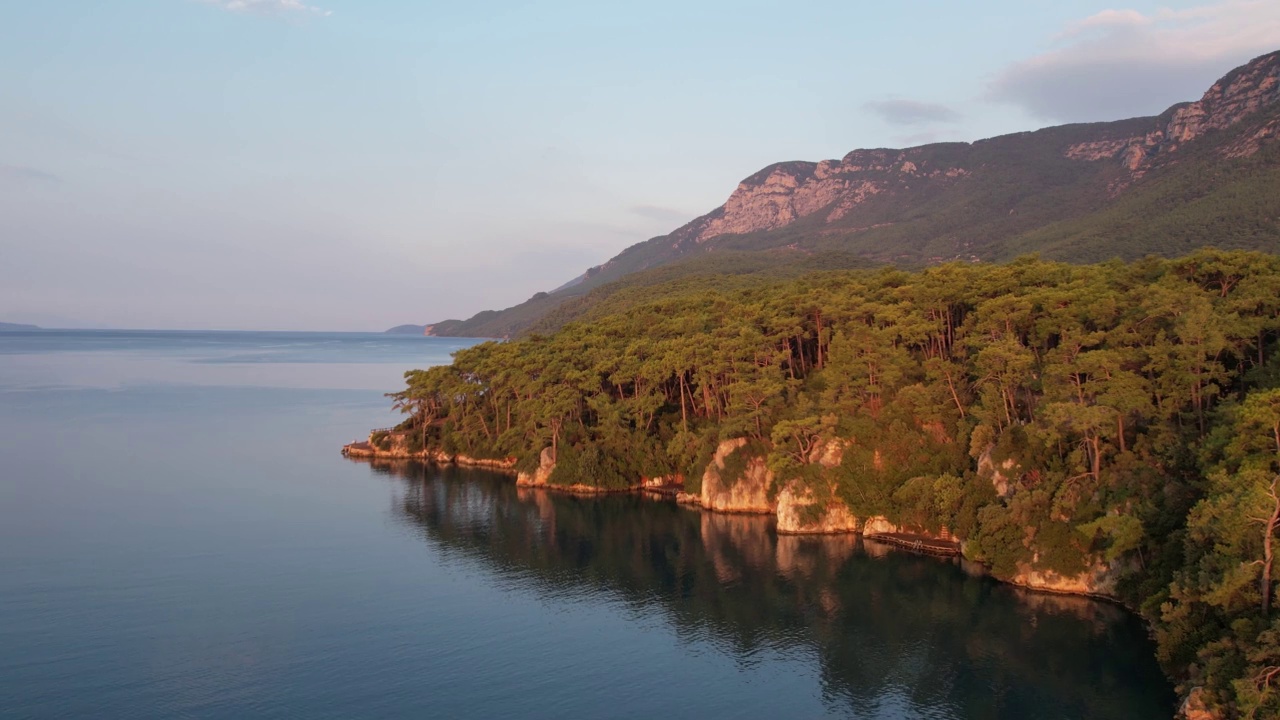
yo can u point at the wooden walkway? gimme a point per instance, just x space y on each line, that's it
663 490
918 543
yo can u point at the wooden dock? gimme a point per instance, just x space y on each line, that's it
663 490
918 543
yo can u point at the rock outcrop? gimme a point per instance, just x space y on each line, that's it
541 478
1234 99
1196 707
1100 580
879 525
783 193
800 513
541 475
748 493
395 445
1002 474
797 509
786 192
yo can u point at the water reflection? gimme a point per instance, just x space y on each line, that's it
896 635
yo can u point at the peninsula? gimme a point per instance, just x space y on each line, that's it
1075 424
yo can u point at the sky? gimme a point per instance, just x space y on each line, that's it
356 164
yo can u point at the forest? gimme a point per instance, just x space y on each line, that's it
1135 407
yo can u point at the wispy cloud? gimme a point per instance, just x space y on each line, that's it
901 111
17 173
1104 20
268 7
1123 63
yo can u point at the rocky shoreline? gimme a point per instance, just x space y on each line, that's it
796 515
796 509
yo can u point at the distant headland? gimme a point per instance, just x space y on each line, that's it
407 330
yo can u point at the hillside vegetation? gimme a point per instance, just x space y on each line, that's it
1069 419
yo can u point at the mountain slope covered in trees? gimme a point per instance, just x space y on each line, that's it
1117 420
1202 173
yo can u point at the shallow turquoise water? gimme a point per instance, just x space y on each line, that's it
179 537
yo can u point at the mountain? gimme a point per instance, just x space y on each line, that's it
1201 173
406 330
15 327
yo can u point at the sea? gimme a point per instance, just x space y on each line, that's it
180 537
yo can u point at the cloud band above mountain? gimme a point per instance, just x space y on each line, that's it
1122 63
901 111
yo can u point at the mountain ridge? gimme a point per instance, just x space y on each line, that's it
1080 192
17 327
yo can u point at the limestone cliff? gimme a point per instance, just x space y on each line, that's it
541 478
797 509
1099 579
1237 98
747 493
784 193
829 190
800 513
542 474
1069 193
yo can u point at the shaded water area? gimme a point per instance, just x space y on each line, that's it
180 537
892 634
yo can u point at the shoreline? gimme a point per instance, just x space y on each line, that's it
363 451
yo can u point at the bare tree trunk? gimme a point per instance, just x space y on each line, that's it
684 417
1267 549
1096 460
951 385
820 358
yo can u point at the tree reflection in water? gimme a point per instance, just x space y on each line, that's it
889 628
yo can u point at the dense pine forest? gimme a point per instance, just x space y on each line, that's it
1052 416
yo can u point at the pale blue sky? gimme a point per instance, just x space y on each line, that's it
353 164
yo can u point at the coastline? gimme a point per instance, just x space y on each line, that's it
881 531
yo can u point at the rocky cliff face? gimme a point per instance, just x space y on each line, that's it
1067 192
1236 98
800 513
746 494
540 476
784 193
1097 580
781 194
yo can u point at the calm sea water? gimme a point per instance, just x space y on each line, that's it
179 537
